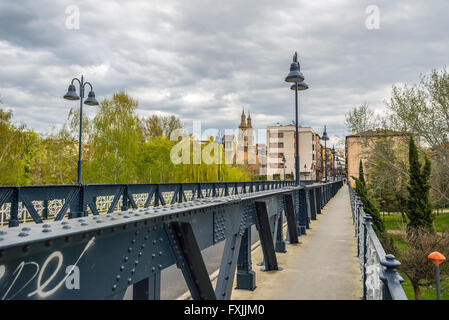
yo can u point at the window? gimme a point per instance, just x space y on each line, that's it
281 134
313 156
281 144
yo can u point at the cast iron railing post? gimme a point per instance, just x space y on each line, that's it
366 223
392 280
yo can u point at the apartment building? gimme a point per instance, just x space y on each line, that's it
281 141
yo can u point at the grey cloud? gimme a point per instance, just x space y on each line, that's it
225 55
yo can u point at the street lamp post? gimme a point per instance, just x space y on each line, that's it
91 101
333 163
296 76
217 140
325 138
283 164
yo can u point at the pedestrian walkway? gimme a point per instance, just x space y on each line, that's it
323 267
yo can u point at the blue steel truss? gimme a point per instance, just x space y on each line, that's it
131 247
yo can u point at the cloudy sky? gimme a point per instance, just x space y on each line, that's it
204 60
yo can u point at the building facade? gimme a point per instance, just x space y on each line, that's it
358 147
281 141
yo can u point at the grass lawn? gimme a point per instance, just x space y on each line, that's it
394 222
427 293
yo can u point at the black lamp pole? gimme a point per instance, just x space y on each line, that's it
325 138
333 163
296 76
218 140
72 95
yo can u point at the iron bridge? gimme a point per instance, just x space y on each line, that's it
130 247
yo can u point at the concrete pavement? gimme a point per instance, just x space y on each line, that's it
323 267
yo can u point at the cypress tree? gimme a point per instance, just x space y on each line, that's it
361 174
418 206
368 205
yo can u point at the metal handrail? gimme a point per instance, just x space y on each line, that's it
381 280
54 202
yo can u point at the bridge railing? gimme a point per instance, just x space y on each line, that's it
381 280
22 204
102 256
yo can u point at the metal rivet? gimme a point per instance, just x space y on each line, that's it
117 277
114 287
125 258
136 262
66 227
122 268
46 230
23 234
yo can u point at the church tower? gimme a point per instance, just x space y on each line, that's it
250 130
243 125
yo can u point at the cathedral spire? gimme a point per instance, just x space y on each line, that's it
243 119
249 121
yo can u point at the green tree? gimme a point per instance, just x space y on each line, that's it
368 205
385 182
419 208
115 141
157 126
17 149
